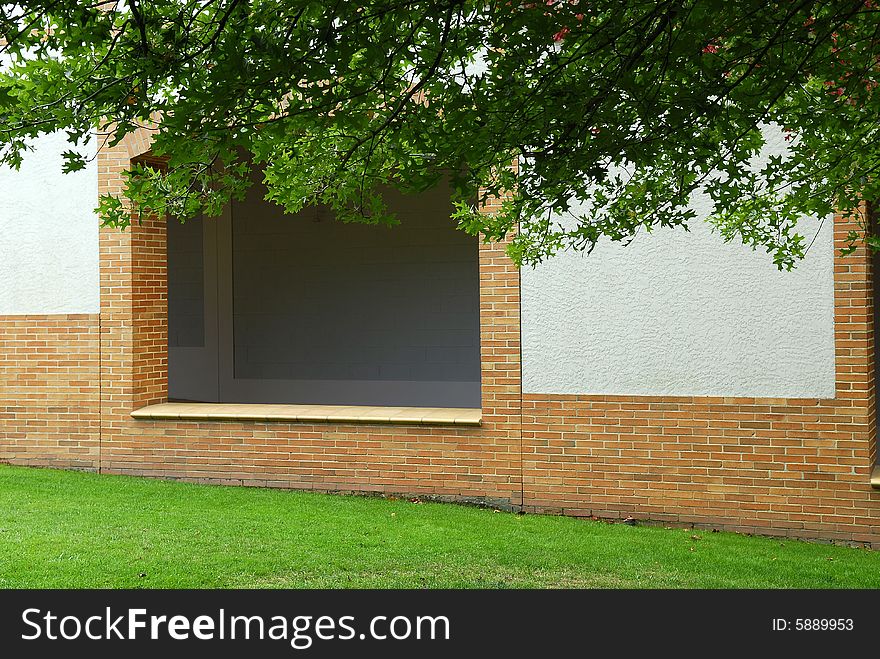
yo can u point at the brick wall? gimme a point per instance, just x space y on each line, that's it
49 390
474 463
774 466
780 466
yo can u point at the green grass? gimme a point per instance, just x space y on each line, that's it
68 529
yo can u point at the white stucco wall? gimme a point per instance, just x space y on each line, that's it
678 313
48 234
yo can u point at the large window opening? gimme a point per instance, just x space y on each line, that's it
265 307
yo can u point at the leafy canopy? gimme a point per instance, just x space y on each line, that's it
617 111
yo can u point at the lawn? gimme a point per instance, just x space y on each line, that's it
68 529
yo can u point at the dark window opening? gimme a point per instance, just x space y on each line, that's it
305 309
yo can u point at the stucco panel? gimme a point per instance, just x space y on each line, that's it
678 313
48 234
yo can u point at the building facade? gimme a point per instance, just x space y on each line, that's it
678 380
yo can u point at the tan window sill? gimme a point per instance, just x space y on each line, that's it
439 416
875 477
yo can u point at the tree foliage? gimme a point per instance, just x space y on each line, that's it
617 111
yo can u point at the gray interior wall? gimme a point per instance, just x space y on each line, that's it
318 300
304 309
193 354
186 289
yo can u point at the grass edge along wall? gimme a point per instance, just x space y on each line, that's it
798 467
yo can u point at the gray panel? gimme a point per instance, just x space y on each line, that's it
192 311
186 289
390 315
